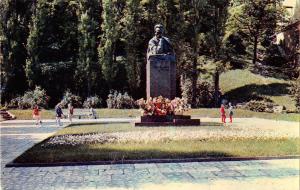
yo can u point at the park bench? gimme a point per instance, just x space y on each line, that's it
83 113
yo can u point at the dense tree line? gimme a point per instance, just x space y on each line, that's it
92 47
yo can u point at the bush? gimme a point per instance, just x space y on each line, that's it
68 97
93 101
296 93
31 98
259 106
118 100
204 93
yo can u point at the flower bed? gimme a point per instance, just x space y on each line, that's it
163 106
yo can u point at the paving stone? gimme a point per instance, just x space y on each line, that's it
202 174
128 176
178 176
227 173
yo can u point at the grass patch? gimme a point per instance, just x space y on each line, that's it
202 112
241 113
243 85
184 148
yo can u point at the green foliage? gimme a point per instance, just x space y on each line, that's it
252 19
259 106
132 31
204 93
118 100
31 98
87 63
14 21
112 13
93 46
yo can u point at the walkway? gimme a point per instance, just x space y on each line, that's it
15 139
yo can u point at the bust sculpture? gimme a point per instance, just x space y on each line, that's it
161 66
159 44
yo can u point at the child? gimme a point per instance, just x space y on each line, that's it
230 109
92 113
222 112
36 115
70 112
59 114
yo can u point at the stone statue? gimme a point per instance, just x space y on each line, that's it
161 66
159 44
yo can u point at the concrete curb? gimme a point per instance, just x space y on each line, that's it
65 121
147 161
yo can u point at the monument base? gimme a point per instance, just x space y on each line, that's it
167 120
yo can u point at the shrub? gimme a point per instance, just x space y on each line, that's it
36 97
118 100
93 101
204 93
296 93
71 98
259 106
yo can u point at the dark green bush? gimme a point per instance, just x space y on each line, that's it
204 93
259 106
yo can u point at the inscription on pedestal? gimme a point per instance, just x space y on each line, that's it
161 76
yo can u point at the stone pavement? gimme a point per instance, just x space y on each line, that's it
263 174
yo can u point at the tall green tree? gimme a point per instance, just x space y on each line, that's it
133 41
52 47
107 51
252 19
14 20
195 20
87 63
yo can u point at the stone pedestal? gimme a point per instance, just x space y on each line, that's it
167 120
161 76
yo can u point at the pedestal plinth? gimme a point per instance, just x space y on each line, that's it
161 76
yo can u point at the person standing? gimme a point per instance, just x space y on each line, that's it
223 114
36 115
70 112
59 114
230 110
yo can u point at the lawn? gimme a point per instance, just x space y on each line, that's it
112 142
243 85
202 112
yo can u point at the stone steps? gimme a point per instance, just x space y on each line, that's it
6 115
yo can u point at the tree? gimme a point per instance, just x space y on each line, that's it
194 19
14 20
87 63
253 18
133 41
110 41
52 47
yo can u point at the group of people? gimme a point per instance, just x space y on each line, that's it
223 112
36 114
59 113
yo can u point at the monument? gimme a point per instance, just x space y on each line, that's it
161 66
160 106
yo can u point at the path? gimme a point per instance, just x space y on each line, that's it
264 174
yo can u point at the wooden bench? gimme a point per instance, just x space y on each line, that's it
83 113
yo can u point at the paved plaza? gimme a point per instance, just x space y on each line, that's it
258 174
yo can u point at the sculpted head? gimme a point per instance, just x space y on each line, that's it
159 30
